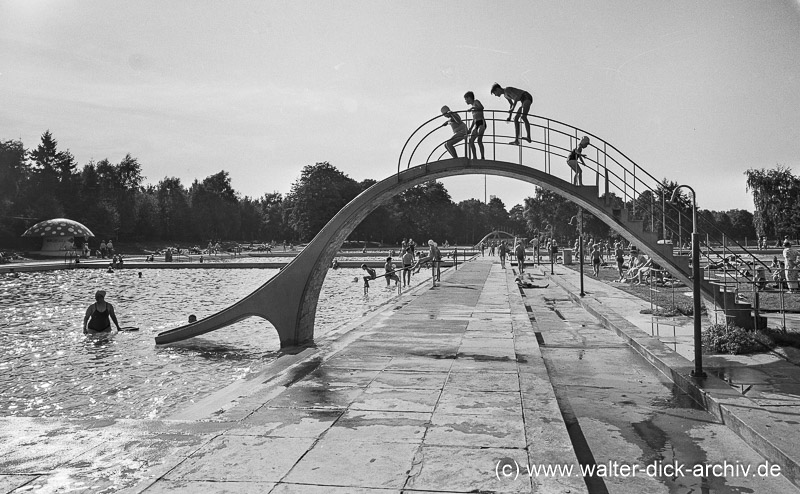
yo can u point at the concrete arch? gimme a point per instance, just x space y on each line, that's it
495 234
289 299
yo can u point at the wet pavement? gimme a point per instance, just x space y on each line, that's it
620 409
756 396
450 389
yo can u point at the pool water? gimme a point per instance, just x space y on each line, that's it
48 367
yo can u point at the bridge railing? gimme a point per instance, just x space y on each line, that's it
617 177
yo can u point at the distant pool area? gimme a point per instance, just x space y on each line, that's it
48 368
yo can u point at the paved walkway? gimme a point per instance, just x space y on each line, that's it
757 396
436 393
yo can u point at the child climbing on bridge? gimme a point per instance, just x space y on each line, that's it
573 158
478 126
459 130
514 96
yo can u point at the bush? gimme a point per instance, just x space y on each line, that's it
722 338
782 337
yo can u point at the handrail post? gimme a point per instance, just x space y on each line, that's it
605 163
494 136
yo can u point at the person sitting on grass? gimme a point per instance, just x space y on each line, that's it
637 261
644 272
777 273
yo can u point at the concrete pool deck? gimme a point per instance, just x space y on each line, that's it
429 393
757 396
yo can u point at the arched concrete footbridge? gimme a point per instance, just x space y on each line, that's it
497 234
289 299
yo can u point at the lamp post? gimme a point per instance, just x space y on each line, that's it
580 243
698 345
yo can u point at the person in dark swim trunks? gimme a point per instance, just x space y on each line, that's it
371 275
478 126
459 130
572 160
514 96
98 315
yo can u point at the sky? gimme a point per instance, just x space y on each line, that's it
695 92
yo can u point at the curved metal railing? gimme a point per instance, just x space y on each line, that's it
616 176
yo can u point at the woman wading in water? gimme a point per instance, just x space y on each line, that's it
98 315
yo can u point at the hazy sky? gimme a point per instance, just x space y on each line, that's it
695 91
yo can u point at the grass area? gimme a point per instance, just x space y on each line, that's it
667 300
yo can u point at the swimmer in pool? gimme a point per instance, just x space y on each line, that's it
98 315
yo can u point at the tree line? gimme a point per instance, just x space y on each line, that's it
113 200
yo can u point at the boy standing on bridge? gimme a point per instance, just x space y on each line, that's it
478 126
573 158
459 130
514 95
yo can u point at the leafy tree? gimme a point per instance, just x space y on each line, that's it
173 206
516 220
14 173
215 210
497 215
776 196
273 218
426 212
320 192
472 221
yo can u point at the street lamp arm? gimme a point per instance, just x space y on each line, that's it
677 189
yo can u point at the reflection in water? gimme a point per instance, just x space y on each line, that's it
49 368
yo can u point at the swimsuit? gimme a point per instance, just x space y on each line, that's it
526 96
100 320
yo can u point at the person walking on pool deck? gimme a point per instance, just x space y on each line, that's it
596 257
519 250
98 315
408 263
478 126
502 250
459 130
514 96
573 158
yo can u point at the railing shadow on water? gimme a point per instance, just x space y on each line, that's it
619 180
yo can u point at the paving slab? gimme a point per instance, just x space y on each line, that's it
344 462
287 422
243 459
459 469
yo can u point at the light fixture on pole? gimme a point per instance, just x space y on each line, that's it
698 344
580 243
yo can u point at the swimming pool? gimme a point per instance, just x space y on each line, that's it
49 368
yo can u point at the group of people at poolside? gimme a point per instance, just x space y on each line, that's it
410 265
474 133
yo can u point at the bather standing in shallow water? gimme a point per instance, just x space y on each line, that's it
98 315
